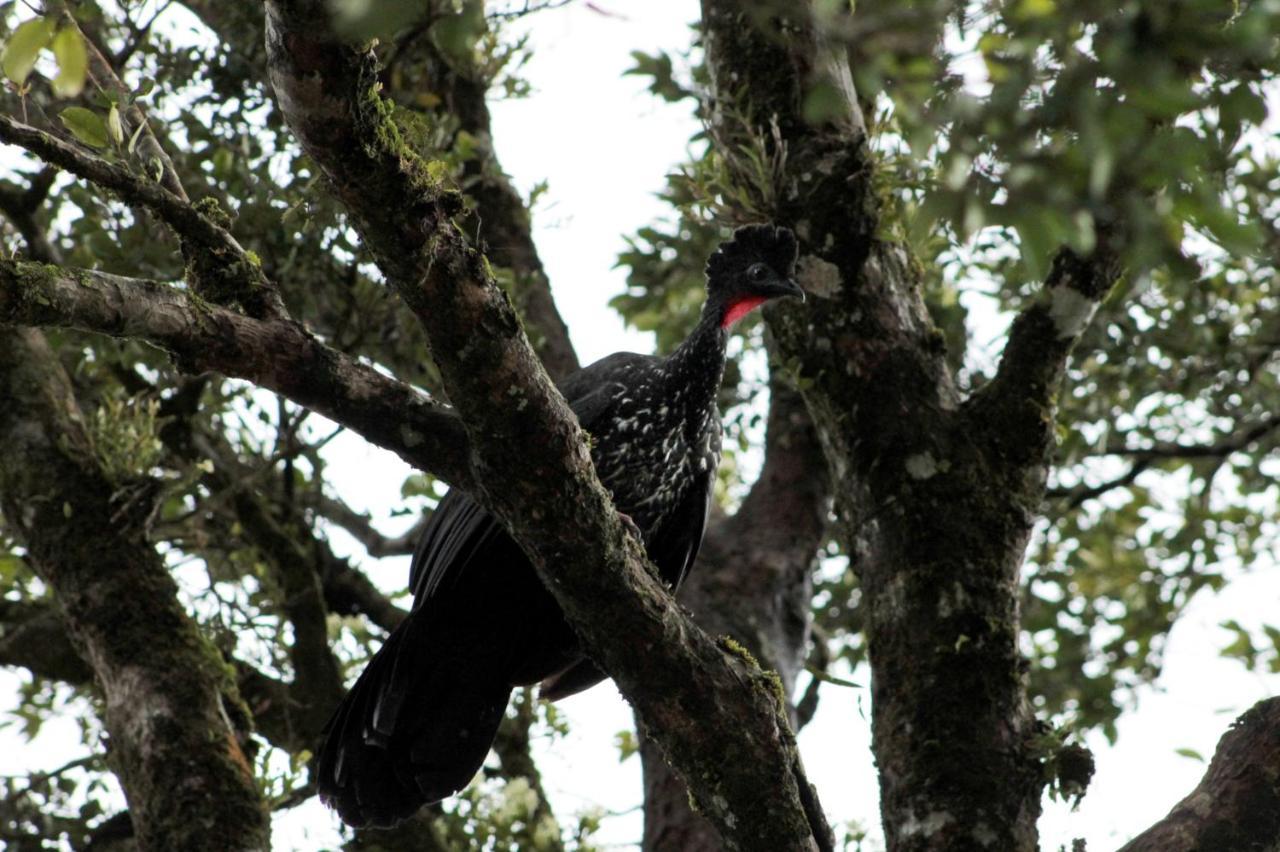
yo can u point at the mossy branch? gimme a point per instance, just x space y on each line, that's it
217 260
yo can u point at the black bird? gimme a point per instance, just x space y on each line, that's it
418 724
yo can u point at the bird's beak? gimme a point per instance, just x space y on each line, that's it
791 288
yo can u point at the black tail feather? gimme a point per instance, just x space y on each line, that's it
414 729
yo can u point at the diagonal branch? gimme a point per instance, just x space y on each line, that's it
499 216
279 355
1236 805
33 636
147 149
1145 457
239 275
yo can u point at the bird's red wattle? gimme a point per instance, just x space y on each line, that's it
739 308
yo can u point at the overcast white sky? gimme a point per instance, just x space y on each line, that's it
605 146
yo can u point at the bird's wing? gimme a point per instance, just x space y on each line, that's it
592 390
460 531
675 546
676 543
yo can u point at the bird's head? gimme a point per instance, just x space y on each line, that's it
757 264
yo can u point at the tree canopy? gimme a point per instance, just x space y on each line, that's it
1029 411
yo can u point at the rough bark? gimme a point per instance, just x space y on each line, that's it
936 496
716 714
217 266
176 721
1236 806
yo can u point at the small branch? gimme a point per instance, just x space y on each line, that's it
348 591
1145 457
1240 440
1236 805
102 71
362 529
280 355
1077 495
21 206
528 7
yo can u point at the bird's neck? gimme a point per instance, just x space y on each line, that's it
696 367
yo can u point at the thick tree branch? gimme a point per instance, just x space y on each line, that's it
176 721
1236 806
221 267
34 637
715 714
279 355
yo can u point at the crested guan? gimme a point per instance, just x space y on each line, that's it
418 724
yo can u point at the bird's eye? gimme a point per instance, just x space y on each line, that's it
758 272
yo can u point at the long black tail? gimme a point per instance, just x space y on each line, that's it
414 729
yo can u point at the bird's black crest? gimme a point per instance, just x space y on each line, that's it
773 244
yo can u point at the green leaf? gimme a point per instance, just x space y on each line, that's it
23 48
361 20
86 125
73 62
627 745
1189 752
115 129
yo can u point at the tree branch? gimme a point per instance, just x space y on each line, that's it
1237 803
532 464
362 529
1229 444
1145 457
1018 404
224 269
147 149
500 217
279 355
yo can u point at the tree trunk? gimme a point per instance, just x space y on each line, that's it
177 725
